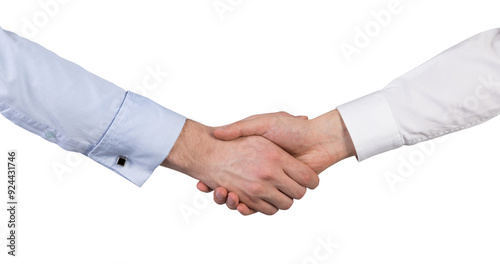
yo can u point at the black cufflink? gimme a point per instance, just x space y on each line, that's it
121 161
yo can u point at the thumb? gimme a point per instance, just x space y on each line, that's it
253 127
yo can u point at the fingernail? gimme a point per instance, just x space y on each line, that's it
230 202
219 196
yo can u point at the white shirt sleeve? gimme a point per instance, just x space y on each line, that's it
67 105
457 89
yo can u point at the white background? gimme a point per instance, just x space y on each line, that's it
263 56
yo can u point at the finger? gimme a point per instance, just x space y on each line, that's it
261 206
301 173
255 125
267 208
290 187
244 210
302 117
220 195
232 201
279 200
287 185
282 113
251 127
203 187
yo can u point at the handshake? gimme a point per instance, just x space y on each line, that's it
261 163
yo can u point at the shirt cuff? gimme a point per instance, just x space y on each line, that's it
138 139
371 125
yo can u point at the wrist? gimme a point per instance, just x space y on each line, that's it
191 149
336 136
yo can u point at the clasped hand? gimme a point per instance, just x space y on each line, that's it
261 163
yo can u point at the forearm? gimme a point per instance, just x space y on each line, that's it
79 111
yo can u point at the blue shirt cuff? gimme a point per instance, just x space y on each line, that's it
138 139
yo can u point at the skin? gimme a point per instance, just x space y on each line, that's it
319 143
261 174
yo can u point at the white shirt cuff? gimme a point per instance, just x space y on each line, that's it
371 125
139 138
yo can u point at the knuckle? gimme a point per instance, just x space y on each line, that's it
265 173
255 189
267 177
307 178
282 114
271 154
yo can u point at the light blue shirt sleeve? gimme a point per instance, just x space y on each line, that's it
81 112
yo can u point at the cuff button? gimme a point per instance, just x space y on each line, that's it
121 161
